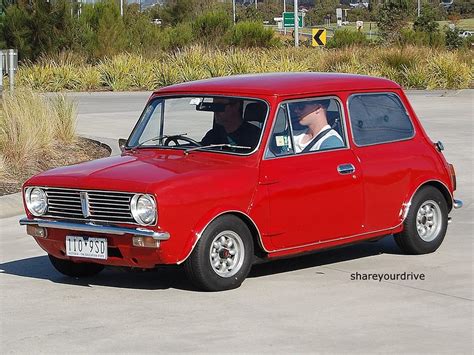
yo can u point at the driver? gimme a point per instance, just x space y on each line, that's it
230 128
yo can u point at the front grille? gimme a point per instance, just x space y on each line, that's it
92 205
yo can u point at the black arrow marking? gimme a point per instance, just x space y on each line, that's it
317 39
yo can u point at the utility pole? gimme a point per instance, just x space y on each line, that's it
255 4
284 10
419 8
121 8
297 40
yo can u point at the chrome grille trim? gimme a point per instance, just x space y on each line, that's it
102 206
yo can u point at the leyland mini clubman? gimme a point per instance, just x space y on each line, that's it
221 173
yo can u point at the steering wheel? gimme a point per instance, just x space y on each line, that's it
177 138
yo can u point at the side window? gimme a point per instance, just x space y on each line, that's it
378 118
317 125
280 140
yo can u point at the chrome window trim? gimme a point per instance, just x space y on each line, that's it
379 93
199 94
94 191
294 154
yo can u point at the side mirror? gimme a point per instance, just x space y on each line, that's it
122 143
439 145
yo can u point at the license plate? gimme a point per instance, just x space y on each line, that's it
86 247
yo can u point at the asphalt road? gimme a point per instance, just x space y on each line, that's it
301 305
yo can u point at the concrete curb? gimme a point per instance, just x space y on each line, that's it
12 205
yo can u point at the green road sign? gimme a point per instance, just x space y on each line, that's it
289 19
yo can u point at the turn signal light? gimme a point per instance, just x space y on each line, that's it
453 175
145 242
35 231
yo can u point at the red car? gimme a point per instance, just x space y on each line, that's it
218 174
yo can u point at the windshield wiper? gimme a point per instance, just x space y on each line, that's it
157 138
216 146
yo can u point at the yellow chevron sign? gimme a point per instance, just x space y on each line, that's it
318 36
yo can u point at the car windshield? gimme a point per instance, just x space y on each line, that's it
227 124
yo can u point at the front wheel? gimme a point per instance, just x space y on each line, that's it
222 258
72 269
426 223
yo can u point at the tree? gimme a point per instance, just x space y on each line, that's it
16 32
426 22
392 18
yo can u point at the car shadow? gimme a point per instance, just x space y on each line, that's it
167 277
359 250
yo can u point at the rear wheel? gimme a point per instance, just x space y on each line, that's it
222 258
72 269
426 223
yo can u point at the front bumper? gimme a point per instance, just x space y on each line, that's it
121 251
95 228
457 204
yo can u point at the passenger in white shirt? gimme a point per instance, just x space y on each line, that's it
312 114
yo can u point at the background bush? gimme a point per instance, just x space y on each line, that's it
346 38
412 67
252 34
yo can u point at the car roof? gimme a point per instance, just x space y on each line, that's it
281 84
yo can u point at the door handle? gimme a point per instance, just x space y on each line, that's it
345 169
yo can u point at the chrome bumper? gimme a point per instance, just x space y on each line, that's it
95 228
457 203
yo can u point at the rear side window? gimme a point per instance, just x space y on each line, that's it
378 118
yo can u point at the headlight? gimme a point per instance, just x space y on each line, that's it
36 201
143 209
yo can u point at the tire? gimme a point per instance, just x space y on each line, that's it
425 225
226 240
69 268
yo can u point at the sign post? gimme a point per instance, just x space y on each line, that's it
339 16
1 72
296 24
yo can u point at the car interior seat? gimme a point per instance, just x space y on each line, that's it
255 113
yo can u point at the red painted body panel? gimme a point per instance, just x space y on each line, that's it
296 204
309 200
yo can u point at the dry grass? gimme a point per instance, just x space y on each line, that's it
31 129
412 67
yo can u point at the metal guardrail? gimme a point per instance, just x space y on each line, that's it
8 66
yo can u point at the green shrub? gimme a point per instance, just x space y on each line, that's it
211 27
177 37
115 72
252 34
399 58
446 72
412 67
347 38
415 76
453 41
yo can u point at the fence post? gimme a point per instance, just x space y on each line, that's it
12 63
1 73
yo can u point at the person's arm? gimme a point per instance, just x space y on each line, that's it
214 136
331 142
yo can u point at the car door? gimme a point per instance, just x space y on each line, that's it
315 196
382 132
